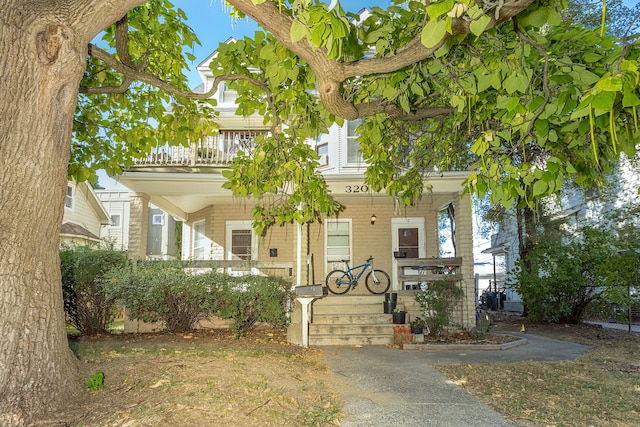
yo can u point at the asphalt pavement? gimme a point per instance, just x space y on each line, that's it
384 386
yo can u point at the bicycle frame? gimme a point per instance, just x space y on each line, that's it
354 279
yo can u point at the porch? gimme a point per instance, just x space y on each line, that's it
213 151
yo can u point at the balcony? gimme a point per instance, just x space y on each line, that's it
213 151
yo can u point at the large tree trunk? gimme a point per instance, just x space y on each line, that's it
42 58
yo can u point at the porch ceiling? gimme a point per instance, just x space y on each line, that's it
182 193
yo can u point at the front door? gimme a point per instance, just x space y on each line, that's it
408 240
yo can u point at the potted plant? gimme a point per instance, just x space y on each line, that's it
417 325
399 316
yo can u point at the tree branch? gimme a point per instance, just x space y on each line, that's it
331 73
131 73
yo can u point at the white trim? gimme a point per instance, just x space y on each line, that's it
411 222
333 263
232 225
69 202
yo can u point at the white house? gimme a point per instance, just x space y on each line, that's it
186 183
84 215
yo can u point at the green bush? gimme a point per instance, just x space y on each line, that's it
87 306
180 298
250 299
565 278
438 301
162 291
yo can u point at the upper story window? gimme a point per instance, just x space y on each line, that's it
323 151
353 146
116 220
157 219
68 203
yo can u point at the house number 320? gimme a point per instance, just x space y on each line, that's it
356 188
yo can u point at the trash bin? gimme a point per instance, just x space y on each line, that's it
493 301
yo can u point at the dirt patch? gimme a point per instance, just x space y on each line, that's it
204 378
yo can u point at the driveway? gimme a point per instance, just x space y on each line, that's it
383 386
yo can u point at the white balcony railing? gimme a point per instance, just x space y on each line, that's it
216 150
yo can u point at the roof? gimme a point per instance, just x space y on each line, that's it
75 230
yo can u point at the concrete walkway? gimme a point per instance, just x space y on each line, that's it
610 325
383 386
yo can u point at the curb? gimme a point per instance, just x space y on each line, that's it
493 347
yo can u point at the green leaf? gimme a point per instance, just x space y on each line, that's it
536 18
435 10
539 188
603 101
478 26
433 33
297 32
610 84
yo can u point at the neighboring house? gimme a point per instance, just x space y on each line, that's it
84 215
574 207
186 182
162 228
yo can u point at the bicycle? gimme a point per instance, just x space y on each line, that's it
340 281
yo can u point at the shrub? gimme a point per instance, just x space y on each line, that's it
180 298
437 302
565 278
161 291
87 306
250 299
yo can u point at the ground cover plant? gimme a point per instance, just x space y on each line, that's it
203 378
602 388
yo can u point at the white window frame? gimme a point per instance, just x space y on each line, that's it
333 262
201 241
352 139
71 192
157 219
232 226
119 216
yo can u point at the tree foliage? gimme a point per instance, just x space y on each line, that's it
509 90
87 306
569 273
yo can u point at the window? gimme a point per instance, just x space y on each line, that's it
157 219
323 151
68 203
115 220
338 244
353 147
241 244
199 240
240 241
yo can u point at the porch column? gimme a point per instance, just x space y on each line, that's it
138 225
464 249
431 232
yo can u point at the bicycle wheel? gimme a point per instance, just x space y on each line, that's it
338 282
377 282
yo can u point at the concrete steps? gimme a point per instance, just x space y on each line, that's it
353 320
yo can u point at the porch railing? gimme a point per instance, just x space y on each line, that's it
216 150
283 269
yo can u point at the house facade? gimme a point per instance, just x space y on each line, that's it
162 228
186 183
84 216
